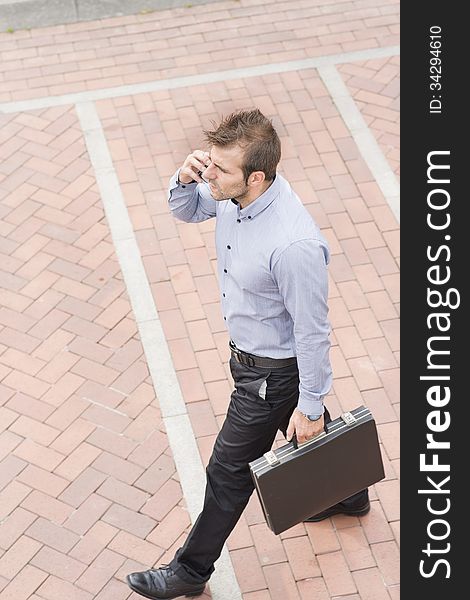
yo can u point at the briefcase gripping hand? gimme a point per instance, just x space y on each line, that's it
296 444
348 418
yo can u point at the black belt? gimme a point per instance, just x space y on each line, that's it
251 360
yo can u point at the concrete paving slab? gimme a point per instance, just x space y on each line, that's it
25 14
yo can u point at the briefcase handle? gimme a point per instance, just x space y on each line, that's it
347 417
295 443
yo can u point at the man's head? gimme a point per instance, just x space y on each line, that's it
245 151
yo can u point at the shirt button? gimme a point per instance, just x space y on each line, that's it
249 216
225 271
225 318
229 247
183 186
223 295
239 220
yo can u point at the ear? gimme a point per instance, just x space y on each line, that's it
256 178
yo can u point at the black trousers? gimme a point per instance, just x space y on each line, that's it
261 404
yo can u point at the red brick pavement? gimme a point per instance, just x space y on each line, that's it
88 486
375 86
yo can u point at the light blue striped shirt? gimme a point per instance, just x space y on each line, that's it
272 270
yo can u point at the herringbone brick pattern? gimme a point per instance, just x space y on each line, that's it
88 486
375 86
82 446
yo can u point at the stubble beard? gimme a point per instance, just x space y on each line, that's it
238 193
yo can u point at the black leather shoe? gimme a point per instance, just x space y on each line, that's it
162 584
340 509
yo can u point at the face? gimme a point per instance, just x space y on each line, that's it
225 175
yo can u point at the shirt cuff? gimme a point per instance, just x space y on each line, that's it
177 181
311 407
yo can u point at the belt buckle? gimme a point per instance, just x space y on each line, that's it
236 354
243 358
246 360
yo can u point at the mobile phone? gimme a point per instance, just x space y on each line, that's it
201 175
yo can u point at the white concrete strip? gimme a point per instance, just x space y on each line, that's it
204 78
181 437
364 138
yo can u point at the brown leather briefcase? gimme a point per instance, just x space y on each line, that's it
296 483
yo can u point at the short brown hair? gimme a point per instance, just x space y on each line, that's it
255 134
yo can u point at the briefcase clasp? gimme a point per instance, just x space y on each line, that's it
348 418
271 458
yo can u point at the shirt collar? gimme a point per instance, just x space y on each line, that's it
262 202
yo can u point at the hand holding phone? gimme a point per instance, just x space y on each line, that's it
194 166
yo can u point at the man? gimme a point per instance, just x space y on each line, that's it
272 267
